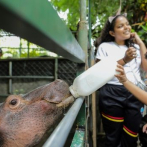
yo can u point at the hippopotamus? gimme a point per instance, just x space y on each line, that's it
25 119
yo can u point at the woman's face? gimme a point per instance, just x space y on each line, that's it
122 29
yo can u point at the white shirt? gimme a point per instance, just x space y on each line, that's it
117 52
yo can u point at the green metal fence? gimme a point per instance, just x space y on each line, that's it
20 75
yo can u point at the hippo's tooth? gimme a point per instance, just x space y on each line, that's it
66 102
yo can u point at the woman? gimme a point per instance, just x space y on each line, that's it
141 95
118 107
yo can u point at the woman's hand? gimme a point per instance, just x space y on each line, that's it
121 75
144 129
130 54
136 38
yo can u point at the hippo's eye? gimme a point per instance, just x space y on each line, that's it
13 102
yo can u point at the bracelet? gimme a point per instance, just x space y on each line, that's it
124 60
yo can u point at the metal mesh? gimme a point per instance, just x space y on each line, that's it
33 68
28 69
4 68
22 86
67 70
4 87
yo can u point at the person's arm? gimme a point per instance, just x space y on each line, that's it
136 91
143 50
129 55
143 59
144 129
122 62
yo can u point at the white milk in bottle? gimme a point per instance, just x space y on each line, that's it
94 78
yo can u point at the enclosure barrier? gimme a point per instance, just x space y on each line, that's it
64 126
38 22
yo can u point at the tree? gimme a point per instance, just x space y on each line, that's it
101 10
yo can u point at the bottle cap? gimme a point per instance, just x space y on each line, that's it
74 91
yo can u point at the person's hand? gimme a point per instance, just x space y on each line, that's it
136 38
130 54
144 129
121 76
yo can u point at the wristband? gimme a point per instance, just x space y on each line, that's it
124 61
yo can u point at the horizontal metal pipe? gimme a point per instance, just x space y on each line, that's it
20 14
25 77
4 95
60 134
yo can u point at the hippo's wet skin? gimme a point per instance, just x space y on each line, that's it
25 119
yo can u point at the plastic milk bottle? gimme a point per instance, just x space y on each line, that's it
94 78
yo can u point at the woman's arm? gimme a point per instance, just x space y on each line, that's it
143 50
130 54
136 91
143 59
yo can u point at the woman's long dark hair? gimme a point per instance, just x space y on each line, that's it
106 37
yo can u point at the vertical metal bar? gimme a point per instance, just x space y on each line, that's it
56 68
89 32
10 80
89 22
87 121
82 30
83 41
20 48
94 120
94 112
93 96
28 44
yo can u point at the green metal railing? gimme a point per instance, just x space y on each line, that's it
37 22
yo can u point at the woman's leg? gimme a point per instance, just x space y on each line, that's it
111 101
132 120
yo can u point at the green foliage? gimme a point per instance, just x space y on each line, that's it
101 10
16 53
33 53
143 32
20 48
73 7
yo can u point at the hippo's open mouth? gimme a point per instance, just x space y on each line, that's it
64 103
